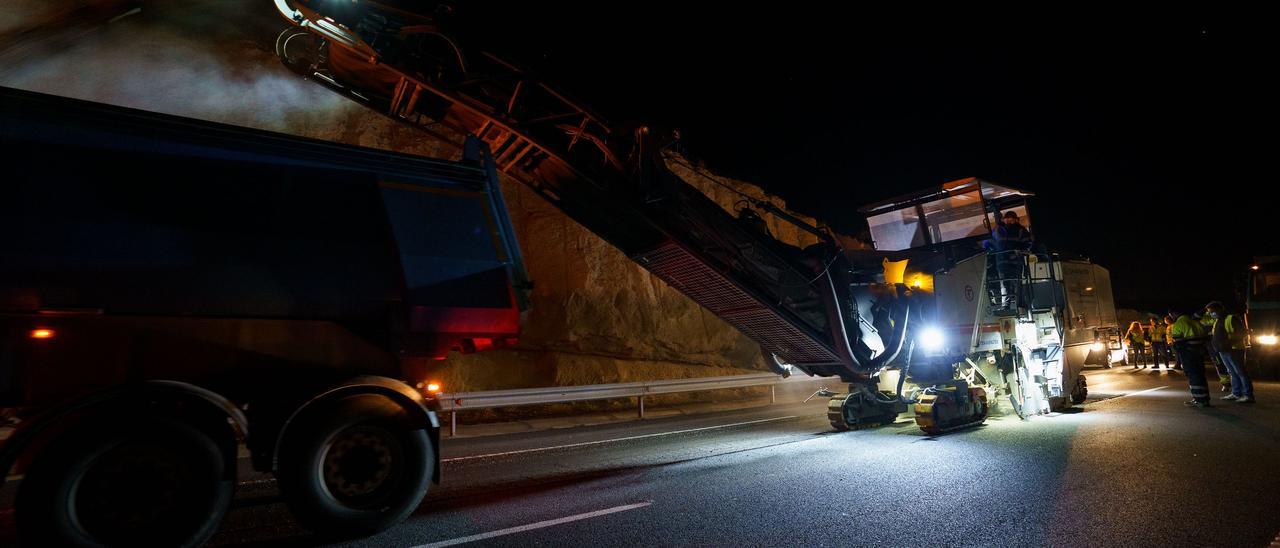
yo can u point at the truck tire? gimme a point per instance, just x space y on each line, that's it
354 468
1081 391
146 482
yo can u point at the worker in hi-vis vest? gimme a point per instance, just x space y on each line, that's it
1189 341
1230 339
1159 348
1137 341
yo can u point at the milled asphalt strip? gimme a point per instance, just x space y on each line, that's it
1129 394
628 438
538 525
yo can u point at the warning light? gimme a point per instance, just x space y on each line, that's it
1254 267
42 333
433 387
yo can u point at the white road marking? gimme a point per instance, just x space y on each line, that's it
628 438
538 525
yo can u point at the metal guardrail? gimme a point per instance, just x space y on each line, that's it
464 401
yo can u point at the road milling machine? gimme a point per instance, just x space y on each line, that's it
172 288
987 322
921 319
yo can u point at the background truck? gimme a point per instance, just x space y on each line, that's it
171 288
1262 307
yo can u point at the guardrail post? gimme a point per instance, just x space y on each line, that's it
641 400
773 394
453 423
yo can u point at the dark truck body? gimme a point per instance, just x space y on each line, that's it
240 267
201 252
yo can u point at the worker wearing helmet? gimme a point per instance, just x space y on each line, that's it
1008 241
1189 341
1159 348
1011 235
1229 340
1137 341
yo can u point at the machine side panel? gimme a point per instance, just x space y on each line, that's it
960 294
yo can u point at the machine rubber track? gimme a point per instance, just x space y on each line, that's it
842 422
942 411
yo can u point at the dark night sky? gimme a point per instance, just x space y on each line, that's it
1138 136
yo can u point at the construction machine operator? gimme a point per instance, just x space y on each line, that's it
1006 241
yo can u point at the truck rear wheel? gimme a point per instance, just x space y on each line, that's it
354 468
154 482
1081 390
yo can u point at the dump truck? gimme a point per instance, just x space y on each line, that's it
171 289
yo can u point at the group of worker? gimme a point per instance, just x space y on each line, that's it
1190 339
1154 337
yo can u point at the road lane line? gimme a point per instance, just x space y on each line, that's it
538 525
628 438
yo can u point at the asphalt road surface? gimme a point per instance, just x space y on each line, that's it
1132 466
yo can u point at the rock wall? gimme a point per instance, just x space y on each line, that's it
597 317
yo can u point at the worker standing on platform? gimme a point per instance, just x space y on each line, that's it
1189 341
1007 240
1229 340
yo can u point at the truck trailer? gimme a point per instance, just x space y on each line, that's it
172 288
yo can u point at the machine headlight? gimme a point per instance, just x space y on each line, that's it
1097 346
932 338
1266 339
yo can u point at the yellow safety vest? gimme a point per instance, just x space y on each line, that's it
1158 333
1185 328
1235 333
1135 337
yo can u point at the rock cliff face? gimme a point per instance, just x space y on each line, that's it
596 316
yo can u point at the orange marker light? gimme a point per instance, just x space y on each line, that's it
42 333
433 387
